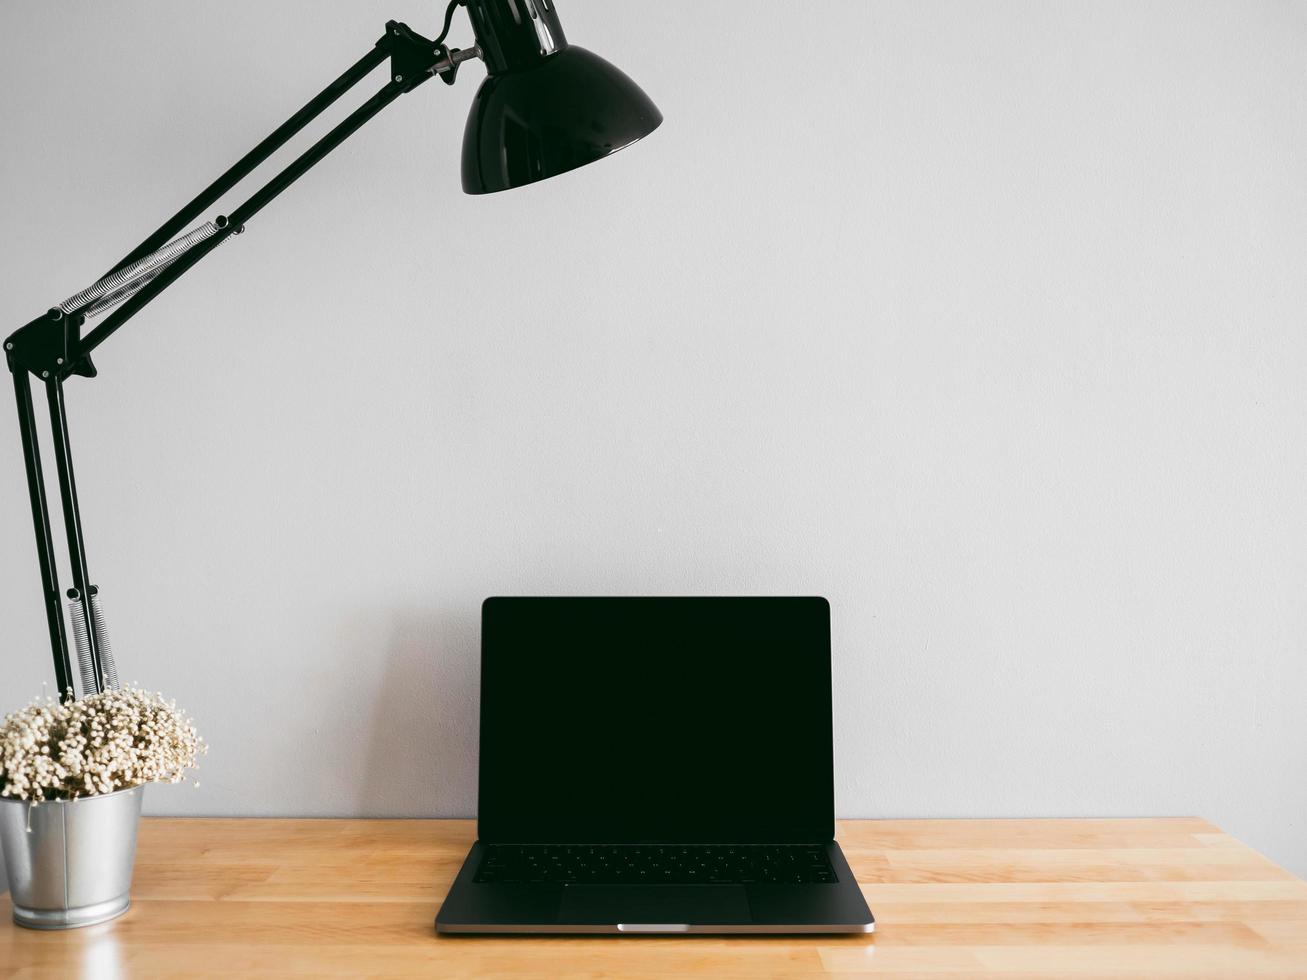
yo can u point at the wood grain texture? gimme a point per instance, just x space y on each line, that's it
1000 898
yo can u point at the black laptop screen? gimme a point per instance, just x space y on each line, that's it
701 720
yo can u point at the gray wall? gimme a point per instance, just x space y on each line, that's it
983 320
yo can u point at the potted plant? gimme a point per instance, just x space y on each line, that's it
72 775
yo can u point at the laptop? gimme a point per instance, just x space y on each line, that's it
655 765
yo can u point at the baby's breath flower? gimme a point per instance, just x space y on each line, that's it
100 744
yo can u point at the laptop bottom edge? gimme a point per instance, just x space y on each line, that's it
652 929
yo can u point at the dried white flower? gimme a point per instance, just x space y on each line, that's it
100 744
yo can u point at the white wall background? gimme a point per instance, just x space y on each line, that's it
984 320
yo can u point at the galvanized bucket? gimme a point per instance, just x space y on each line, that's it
74 868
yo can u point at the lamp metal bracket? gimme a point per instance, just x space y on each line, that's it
414 58
46 347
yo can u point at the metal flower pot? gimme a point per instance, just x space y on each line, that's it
74 868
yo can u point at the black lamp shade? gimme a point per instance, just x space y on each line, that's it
565 110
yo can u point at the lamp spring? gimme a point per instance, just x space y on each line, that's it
117 286
85 665
108 669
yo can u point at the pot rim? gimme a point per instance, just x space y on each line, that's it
80 799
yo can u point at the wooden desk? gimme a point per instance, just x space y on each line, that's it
282 898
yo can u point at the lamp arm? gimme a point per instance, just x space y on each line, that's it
275 140
235 224
52 348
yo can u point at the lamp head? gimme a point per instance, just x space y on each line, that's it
546 106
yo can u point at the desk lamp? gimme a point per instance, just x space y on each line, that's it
545 107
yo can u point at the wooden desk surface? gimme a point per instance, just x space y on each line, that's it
282 898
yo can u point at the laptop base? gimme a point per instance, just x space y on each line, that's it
478 908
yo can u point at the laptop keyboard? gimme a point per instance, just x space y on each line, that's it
657 865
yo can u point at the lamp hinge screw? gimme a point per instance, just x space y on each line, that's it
58 360
9 346
45 374
399 78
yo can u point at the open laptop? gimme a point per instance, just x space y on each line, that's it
655 765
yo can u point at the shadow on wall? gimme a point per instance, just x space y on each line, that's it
421 757
416 742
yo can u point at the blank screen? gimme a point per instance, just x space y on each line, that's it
704 720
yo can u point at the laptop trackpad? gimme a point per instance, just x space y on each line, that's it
655 905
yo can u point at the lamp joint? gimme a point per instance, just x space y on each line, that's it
412 57
47 347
